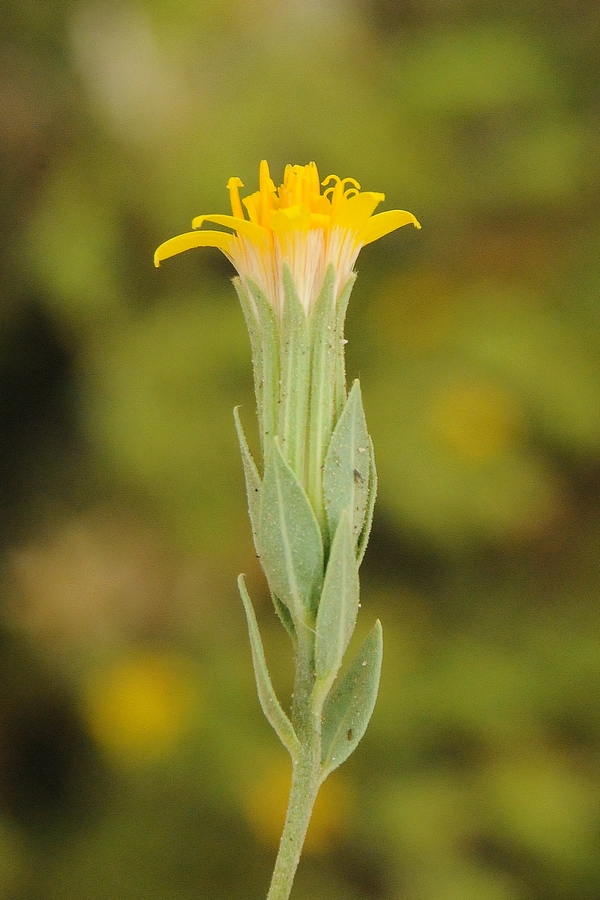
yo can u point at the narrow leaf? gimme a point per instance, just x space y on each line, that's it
253 482
295 372
269 332
347 468
266 693
252 323
290 541
349 707
322 387
338 605
364 535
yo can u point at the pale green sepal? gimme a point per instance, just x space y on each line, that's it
338 606
364 535
252 324
340 365
253 482
295 376
322 390
349 707
291 547
269 390
347 468
266 693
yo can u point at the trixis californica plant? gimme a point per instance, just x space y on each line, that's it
311 502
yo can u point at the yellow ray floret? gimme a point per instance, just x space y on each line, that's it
294 224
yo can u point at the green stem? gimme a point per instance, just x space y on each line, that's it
305 785
306 774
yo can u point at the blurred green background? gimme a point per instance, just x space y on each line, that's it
134 759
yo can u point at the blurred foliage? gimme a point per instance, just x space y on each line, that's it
134 761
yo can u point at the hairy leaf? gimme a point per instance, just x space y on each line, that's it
347 468
253 482
291 547
338 605
349 707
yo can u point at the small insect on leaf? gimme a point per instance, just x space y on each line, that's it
349 734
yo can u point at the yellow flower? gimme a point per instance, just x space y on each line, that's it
294 224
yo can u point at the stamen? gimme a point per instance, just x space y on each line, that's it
297 198
233 186
266 187
264 176
313 177
330 190
337 196
306 187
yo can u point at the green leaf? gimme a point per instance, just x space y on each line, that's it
295 372
269 389
291 548
253 482
349 707
347 470
364 535
338 606
340 365
266 693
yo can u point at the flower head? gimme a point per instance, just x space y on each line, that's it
294 224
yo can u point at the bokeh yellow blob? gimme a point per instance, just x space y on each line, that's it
266 801
138 707
476 420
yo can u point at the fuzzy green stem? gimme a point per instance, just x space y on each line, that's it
306 775
305 785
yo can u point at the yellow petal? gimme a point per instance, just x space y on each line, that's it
293 218
242 226
322 206
354 212
385 222
252 204
193 239
318 220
